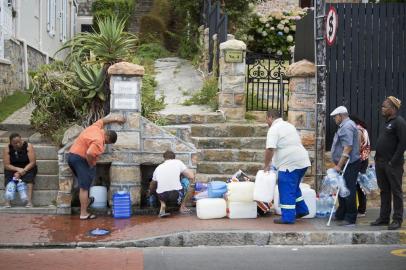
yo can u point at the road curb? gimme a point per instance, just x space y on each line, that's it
237 238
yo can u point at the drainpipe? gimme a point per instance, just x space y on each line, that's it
40 25
25 64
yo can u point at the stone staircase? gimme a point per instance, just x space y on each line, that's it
142 7
46 183
224 148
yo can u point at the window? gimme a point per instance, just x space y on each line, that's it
51 17
73 21
63 20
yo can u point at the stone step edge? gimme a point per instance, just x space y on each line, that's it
222 138
238 238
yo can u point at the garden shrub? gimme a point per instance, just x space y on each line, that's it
152 29
149 102
151 51
161 9
207 95
108 8
57 105
273 33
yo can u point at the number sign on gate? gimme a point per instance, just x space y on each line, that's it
331 25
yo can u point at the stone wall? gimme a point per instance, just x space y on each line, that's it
85 7
302 104
12 73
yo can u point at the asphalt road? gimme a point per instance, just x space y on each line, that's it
276 258
223 258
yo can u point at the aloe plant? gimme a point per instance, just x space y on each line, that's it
109 45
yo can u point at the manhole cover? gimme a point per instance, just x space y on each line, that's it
98 232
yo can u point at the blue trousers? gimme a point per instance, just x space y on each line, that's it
290 195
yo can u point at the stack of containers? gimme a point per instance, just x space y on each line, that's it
240 200
121 205
214 206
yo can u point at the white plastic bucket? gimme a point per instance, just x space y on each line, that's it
99 193
264 186
210 208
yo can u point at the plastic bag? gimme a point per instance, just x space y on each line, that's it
22 191
10 193
239 176
264 186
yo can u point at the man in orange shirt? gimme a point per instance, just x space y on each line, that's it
84 153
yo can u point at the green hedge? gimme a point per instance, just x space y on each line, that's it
108 8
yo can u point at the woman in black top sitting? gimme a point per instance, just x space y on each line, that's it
19 162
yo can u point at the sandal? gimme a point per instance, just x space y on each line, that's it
185 211
90 216
164 214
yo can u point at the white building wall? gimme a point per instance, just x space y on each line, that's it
32 24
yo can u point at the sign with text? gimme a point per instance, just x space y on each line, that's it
233 56
126 87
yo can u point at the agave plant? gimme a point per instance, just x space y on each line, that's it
109 45
90 80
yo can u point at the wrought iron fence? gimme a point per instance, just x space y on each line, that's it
267 84
217 22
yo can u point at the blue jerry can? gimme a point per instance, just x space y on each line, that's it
121 205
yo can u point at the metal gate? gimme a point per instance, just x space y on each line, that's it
267 84
367 62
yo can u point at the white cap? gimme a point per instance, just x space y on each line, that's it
339 110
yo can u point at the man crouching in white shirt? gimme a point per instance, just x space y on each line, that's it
284 146
166 181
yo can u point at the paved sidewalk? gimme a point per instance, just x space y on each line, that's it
150 231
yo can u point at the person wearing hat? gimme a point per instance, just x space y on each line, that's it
389 161
345 149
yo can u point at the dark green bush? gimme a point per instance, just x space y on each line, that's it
107 8
149 102
151 51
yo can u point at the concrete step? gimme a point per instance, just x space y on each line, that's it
249 155
229 168
20 128
47 167
203 118
46 152
180 131
45 210
205 178
229 130
229 142
42 182
39 198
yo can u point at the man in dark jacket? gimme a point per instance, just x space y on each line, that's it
389 161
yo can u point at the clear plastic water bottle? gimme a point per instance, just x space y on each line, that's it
330 204
321 206
22 190
10 193
344 192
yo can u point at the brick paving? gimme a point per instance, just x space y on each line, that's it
61 259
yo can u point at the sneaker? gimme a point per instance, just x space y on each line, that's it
379 222
361 215
346 223
395 225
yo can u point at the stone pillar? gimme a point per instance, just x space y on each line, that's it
232 79
125 85
302 107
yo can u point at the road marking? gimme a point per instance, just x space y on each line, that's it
399 252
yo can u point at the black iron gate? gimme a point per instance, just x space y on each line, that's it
267 84
367 62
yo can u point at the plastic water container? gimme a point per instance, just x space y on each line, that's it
121 205
304 186
22 191
241 210
210 208
199 186
264 186
10 193
99 193
309 196
216 189
240 191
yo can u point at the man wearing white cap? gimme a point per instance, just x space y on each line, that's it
346 147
